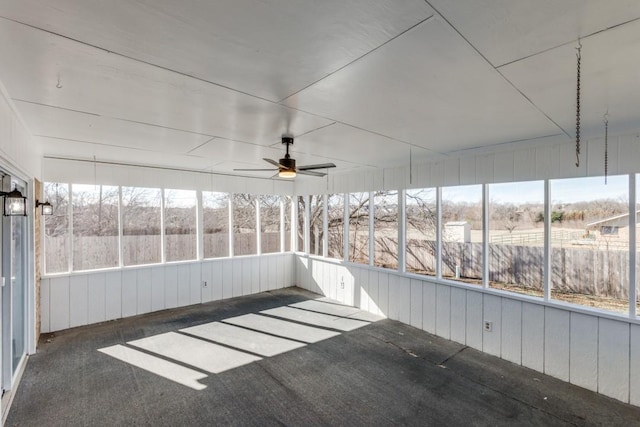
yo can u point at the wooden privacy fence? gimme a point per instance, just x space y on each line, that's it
91 252
576 270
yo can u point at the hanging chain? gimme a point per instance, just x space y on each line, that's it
579 58
606 147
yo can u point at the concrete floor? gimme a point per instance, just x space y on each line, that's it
369 373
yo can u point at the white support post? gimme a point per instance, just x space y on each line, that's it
485 236
547 240
345 231
258 228
231 248
120 228
163 255
402 233
325 226
70 213
282 230
439 232
294 224
199 226
306 222
372 231
633 296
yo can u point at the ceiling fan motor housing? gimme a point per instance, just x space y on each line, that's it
288 163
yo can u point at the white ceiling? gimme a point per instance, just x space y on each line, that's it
213 85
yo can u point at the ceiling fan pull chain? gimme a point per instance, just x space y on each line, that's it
579 58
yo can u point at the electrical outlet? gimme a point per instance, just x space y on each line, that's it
342 283
488 325
204 283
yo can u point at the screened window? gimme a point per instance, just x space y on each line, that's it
421 225
462 233
245 235
385 229
335 227
359 228
215 217
589 267
95 226
141 226
516 237
180 225
269 224
56 229
316 225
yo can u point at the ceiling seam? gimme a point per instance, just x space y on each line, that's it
201 145
139 60
358 58
102 144
114 118
498 71
569 42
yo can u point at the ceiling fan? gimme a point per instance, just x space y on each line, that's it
286 167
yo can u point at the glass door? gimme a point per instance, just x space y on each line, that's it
13 235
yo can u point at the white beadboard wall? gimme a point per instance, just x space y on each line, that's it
595 352
79 299
545 158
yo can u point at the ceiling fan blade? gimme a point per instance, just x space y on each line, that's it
273 162
271 169
318 166
307 172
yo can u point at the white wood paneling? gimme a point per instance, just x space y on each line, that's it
206 276
45 304
238 278
157 288
59 309
429 307
634 374
144 296
474 319
184 284
503 166
511 340
416 303
364 289
78 300
467 170
264 273
443 312
556 343
383 293
404 299
96 287
533 321
254 279
171 286
272 277
491 340
459 315
217 280
247 275
583 350
113 295
524 169
373 292
129 293
613 359
195 282
227 278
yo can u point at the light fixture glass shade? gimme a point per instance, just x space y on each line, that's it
47 208
287 173
15 204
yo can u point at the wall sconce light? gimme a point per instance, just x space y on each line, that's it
47 208
15 204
